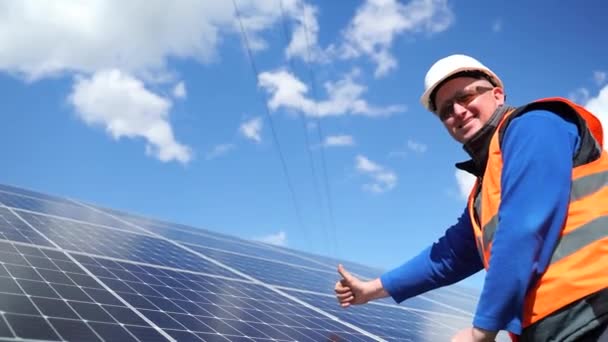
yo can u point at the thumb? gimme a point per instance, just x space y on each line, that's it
344 273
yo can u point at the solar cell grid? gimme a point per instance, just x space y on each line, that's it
361 270
146 222
44 295
140 277
188 305
82 237
151 222
276 273
34 194
463 302
251 250
465 292
14 229
200 237
65 209
316 280
390 322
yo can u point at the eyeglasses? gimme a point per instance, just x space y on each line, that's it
463 98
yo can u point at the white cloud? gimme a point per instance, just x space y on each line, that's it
339 140
251 129
600 77
304 39
497 25
416 146
135 36
378 22
278 239
465 182
135 39
344 96
179 91
125 108
580 95
599 106
219 150
381 179
367 166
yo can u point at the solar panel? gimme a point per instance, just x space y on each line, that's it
71 271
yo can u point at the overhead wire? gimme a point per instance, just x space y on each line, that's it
321 135
272 127
306 137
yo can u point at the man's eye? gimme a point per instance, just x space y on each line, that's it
462 98
465 98
445 112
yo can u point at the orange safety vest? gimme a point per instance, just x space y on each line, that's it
579 264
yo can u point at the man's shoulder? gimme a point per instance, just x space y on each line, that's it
539 121
546 117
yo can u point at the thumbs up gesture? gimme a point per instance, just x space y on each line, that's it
350 290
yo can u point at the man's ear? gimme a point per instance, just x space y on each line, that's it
499 95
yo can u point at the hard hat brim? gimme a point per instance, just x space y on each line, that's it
425 99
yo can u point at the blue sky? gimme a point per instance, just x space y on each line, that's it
154 108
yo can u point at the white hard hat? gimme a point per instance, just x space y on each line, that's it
448 66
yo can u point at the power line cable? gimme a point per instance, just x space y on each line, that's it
313 87
305 129
271 124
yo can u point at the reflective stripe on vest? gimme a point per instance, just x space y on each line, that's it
582 187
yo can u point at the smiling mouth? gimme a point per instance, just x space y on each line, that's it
466 122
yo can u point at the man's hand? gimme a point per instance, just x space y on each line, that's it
352 291
474 335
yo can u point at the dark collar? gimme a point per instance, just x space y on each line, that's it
477 147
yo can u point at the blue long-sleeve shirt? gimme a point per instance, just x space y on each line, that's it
537 149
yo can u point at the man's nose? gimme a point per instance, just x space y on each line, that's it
459 110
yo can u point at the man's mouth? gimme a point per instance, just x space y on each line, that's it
464 123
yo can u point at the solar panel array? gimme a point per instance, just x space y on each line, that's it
71 271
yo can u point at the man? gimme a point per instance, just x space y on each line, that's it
536 220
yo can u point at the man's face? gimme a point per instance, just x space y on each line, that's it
465 105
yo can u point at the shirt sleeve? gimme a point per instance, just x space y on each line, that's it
452 258
537 150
